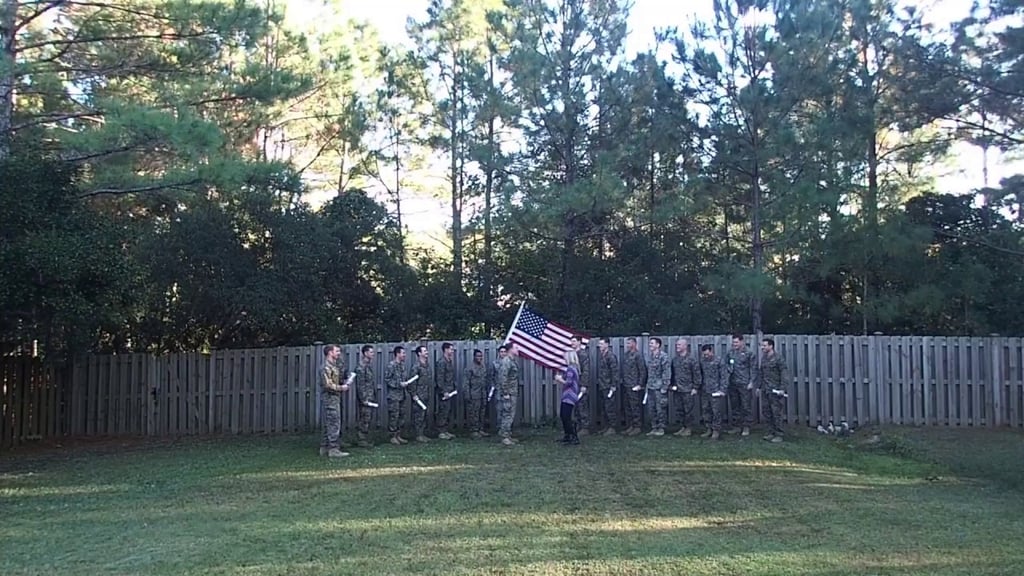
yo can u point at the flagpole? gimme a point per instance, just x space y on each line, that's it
514 322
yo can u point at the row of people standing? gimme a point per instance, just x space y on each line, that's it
406 384
705 384
706 387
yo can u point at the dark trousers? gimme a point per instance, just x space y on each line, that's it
567 425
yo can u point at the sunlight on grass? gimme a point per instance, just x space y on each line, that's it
58 491
352 473
537 522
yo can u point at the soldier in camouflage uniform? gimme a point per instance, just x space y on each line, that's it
740 363
634 378
419 391
685 384
773 376
582 410
659 372
608 383
476 382
508 388
714 386
444 374
394 382
331 388
366 393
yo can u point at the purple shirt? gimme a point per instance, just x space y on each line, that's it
571 388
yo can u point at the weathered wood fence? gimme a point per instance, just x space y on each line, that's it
914 380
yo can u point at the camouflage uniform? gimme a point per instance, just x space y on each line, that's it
740 366
421 387
330 404
508 385
685 379
634 373
714 380
444 373
608 379
476 382
659 371
773 382
366 390
582 409
393 379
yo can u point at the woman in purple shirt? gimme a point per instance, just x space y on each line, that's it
570 395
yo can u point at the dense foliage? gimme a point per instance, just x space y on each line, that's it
194 174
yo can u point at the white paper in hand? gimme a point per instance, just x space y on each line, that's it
645 397
581 394
718 394
372 404
453 393
611 392
411 380
420 402
351 377
490 393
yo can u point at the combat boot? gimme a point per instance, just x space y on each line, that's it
394 440
684 431
732 430
364 444
776 439
507 442
706 434
746 431
483 434
336 453
323 450
610 431
475 435
583 432
401 440
636 431
628 431
422 439
714 435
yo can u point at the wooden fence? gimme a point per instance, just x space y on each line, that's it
912 380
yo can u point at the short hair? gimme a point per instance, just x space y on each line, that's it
604 339
571 358
477 351
503 348
330 348
706 347
738 337
397 350
446 346
769 342
420 349
631 339
656 339
366 348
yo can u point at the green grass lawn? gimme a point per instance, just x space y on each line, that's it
918 502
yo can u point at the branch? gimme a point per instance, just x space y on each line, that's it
1011 251
39 12
149 188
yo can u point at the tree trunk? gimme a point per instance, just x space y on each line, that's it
8 11
456 151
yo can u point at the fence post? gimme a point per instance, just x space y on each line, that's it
876 403
995 415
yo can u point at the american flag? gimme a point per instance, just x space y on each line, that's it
541 340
